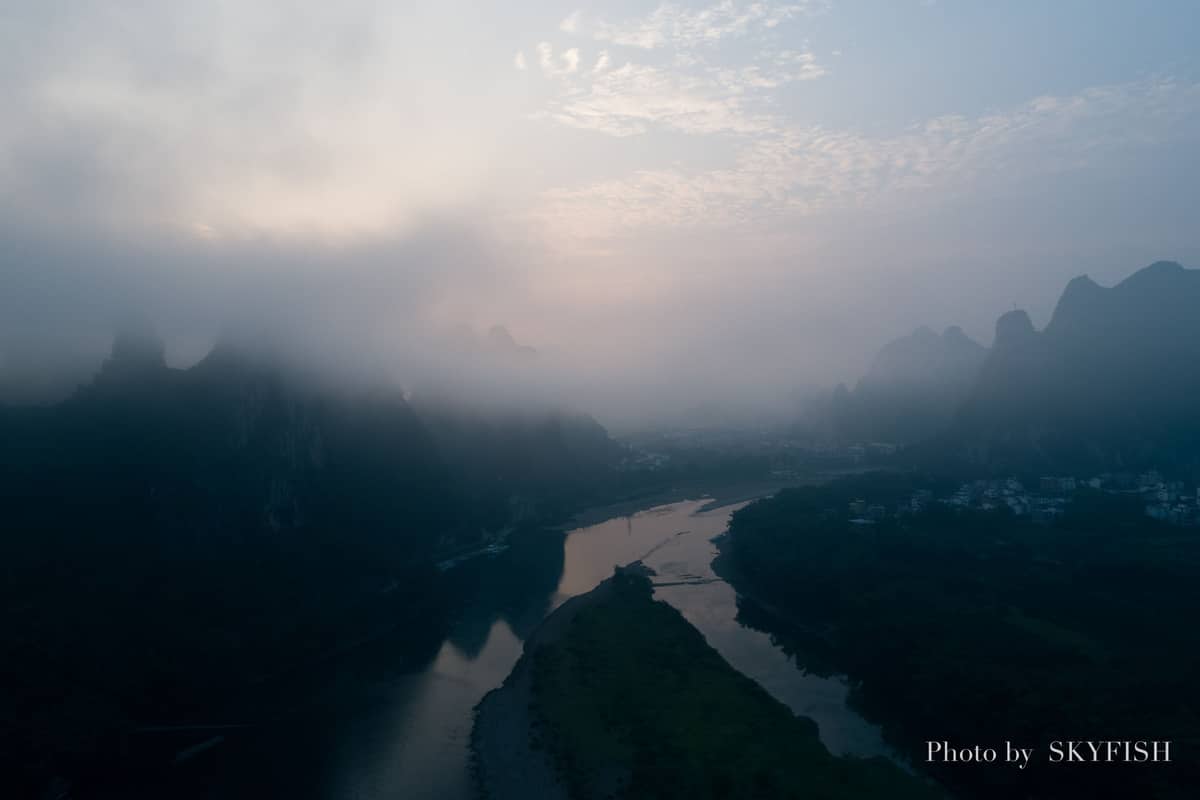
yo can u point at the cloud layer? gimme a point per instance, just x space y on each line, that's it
652 194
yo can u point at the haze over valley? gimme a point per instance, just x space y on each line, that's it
645 196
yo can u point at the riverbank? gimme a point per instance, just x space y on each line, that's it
725 567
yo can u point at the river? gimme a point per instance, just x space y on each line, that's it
366 730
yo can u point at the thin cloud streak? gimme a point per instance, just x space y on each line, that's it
678 27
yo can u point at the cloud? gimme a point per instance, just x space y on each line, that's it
229 117
570 60
519 61
636 98
702 88
672 25
786 172
369 302
546 57
630 99
781 68
566 64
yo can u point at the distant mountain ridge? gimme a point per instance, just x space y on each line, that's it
1111 382
912 388
923 357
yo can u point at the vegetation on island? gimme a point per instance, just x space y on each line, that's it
632 702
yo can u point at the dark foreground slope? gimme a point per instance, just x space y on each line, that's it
172 540
618 696
979 627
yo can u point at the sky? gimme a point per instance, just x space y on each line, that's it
670 201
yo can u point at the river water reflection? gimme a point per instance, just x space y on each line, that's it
676 541
366 733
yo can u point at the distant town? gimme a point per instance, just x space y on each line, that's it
1167 501
785 458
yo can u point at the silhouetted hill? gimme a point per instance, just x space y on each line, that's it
1111 382
501 342
173 536
912 388
536 463
498 344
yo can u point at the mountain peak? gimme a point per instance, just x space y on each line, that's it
1162 267
1157 274
1079 285
1078 305
924 332
1014 328
500 337
955 335
136 343
502 342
